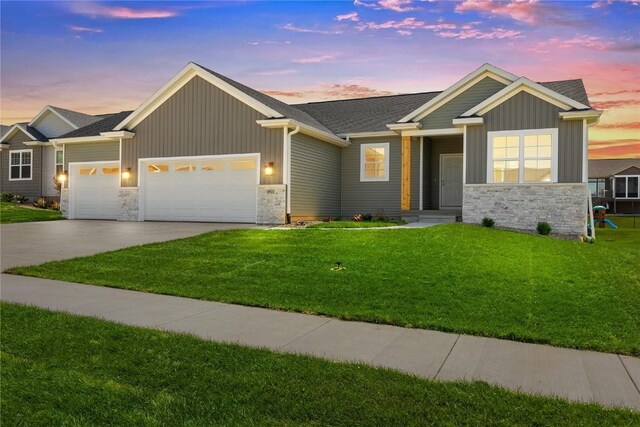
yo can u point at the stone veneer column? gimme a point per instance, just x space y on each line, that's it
64 202
522 206
129 199
272 204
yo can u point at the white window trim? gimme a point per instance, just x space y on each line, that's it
21 164
521 134
626 186
55 159
363 149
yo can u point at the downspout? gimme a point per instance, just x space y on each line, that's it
287 177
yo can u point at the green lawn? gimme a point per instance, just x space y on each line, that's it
356 224
453 277
59 369
10 213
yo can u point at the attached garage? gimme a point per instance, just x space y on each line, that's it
93 190
205 188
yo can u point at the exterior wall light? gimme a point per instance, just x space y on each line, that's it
62 178
268 170
126 174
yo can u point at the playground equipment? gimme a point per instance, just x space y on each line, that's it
600 217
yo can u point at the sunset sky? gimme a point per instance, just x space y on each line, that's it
99 57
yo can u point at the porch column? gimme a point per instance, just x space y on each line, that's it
405 182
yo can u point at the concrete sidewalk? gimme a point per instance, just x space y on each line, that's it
584 376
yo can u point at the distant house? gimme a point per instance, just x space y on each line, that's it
615 182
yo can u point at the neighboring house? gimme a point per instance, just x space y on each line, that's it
615 182
207 148
29 162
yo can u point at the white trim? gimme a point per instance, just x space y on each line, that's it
433 132
118 134
288 182
382 133
486 70
626 187
30 151
464 155
48 108
307 130
13 129
578 115
120 162
404 126
585 151
55 160
80 139
141 175
421 181
468 121
526 85
71 187
190 71
32 143
521 134
440 205
363 148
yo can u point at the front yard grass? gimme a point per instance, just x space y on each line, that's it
59 369
454 277
11 213
356 224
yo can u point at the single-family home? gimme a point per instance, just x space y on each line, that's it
615 182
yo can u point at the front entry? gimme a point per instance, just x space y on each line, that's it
450 181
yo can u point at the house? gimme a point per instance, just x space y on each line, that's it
207 148
29 162
615 182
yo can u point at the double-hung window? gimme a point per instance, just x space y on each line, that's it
522 156
374 162
20 164
59 162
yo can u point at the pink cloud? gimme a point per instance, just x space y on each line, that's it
396 5
602 3
315 59
581 41
78 29
520 10
294 28
615 148
494 33
441 29
615 103
629 125
353 16
120 12
328 91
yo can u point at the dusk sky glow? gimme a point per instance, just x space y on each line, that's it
99 57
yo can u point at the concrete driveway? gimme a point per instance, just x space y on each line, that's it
33 243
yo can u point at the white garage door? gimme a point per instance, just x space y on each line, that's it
93 190
213 188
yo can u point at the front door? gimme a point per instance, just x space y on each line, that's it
451 180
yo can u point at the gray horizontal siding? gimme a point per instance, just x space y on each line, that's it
91 152
525 111
200 119
315 177
370 197
436 147
442 117
31 188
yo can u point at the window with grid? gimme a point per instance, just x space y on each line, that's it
374 162
59 162
20 165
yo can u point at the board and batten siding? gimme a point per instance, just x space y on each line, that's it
91 152
200 120
51 126
434 148
526 111
315 178
442 117
29 188
372 196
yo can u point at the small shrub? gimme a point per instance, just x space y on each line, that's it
356 217
367 217
41 203
55 206
543 228
381 217
21 199
488 222
8 197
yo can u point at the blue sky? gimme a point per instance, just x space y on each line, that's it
109 56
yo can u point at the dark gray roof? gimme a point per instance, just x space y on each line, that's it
4 129
605 168
104 125
33 132
79 119
373 114
289 111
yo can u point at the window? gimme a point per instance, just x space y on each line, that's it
522 156
20 165
597 187
88 171
110 171
59 162
626 187
213 166
185 167
243 164
157 168
374 162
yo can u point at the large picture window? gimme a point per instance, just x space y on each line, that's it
20 165
522 156
374 162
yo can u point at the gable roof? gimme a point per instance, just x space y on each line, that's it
105 123
72 118
4 129
33 133
606 168
573 89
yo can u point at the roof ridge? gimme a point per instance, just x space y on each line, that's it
368 97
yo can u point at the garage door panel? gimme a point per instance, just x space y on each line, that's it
94 190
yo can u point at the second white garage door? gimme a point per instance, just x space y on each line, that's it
213 188
93 190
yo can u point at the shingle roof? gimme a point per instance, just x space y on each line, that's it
605 168
32 131
104 124
289 111
4 129
79 119
373 114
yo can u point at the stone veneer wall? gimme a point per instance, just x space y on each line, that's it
522 206
129 200
64 202
272 204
